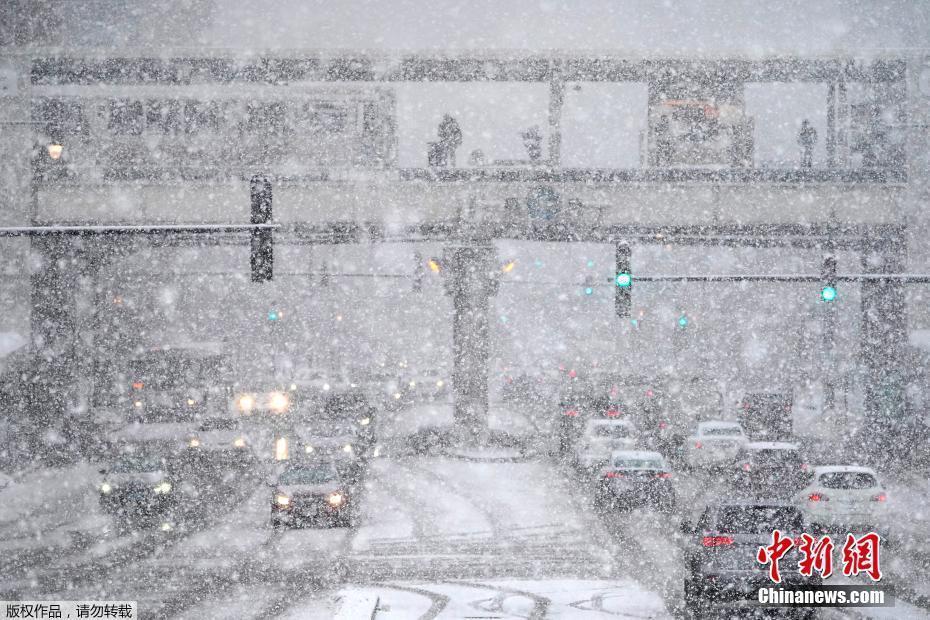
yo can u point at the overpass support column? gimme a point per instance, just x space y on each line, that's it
471 284
883 342
53 283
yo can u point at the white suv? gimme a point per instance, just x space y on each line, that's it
844 496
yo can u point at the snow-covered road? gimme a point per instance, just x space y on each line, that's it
481 534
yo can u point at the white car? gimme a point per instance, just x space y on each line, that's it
844 496
714 443
600 438
223 438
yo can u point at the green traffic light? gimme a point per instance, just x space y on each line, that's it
828 293
624 280
273 315
683 321
589 290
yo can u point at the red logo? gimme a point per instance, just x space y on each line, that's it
781 545
817 555
860 555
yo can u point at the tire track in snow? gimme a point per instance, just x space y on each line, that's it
540 603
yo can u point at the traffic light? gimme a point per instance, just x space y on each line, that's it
683 321
623 281
273 315
262 242
588 288
828 275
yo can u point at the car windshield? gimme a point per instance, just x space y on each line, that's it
136 464
318 474
849 480
758 519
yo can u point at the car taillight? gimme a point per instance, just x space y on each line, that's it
138 385
571 413
804 466
698 445
881 497
614 474
717 541
663 425
664 474
612 413
818 497
746 466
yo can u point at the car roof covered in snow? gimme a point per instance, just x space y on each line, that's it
771 445
635 454
827 469
719 424
611 422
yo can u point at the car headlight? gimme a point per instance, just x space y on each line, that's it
194 443
239 442
377 451
280 449
365 421
163 488
412 384
440 383
279 402
137 404
282 500
105 488
335 499
308 449
191 402
325 387
396 395
347 448
245 402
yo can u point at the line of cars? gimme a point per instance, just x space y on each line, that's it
161 473
750 488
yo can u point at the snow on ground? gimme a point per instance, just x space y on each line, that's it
556 598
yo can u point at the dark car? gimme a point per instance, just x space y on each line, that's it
311 492
350 408
721 552
139 486
769 468
636 478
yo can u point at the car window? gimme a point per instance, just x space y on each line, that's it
848 480
611 431
777 458
219 424
758 519
721 430
309 475
136 464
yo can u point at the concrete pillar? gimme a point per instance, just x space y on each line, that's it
470 283
883 342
